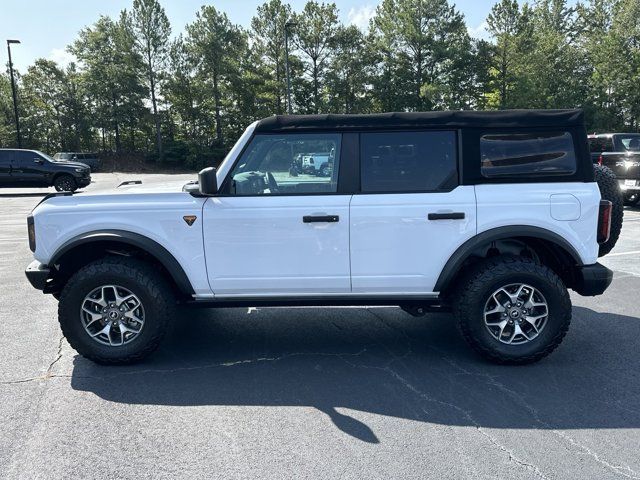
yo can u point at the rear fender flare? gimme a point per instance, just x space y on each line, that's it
455 262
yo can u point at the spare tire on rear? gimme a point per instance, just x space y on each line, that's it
610 190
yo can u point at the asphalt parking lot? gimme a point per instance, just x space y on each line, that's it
316 393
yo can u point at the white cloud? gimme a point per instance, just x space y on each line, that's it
480 31
62 57
360 16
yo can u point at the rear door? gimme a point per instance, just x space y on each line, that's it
275 231
6 160
411 214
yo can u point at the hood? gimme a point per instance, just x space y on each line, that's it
173 186
69 163
125 198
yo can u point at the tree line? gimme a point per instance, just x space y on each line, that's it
185 99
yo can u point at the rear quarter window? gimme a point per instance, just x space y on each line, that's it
527 154
600 144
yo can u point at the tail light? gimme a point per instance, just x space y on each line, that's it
604 220
600 160
31 230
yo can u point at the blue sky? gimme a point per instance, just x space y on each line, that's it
46 27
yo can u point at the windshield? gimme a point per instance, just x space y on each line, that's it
631 143
62 156
46 157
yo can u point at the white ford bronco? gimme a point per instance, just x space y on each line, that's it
492 215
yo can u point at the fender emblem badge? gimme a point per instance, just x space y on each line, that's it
190 219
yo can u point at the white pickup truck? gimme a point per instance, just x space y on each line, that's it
492 215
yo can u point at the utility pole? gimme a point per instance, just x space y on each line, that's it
286 51
13 91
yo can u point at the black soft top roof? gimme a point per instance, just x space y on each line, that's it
457 119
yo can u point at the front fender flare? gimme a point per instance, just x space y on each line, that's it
146 244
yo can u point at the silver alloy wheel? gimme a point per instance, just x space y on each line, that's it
516 313
112 315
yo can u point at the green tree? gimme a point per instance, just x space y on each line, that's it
554 72
316 28
111 68
506 24
267 32
217 44
45 99
152 31
7 125
421 40
349 73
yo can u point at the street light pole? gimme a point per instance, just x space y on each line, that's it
286 51
13 91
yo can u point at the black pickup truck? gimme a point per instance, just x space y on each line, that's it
621 153
31 168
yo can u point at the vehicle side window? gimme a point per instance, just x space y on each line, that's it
631 143
288 164
527 154
600 144
5 158
26 159
408 161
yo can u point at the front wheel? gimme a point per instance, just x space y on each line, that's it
65 183
512 310
116 311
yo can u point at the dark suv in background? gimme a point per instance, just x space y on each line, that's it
31 168
90 159
621 153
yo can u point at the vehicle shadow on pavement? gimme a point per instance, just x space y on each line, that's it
23 195
381 361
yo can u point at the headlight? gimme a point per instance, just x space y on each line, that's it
31 229
79 170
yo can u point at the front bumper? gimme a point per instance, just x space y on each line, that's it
83 181
591 280
629 185
37 274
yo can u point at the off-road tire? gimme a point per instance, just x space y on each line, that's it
65 183
139 277
487 276
610 190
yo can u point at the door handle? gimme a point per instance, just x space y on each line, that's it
446 216
320 218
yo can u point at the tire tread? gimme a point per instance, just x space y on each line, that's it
147 277
485 271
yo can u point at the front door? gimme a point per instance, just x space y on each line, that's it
411 214
277 228
31 169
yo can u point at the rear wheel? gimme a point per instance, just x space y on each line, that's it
65 183
610 190
116 311
512 310
632 199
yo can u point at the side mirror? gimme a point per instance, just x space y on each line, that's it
38 160
208 181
